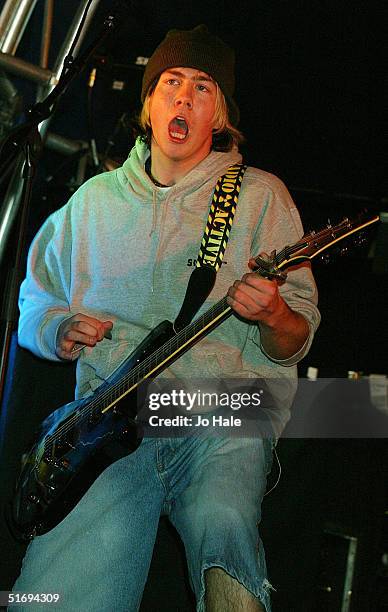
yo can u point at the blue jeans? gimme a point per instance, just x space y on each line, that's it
211 488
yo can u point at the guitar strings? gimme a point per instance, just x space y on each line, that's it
121 385
136 374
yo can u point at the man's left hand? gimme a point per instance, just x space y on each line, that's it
282 331
256 298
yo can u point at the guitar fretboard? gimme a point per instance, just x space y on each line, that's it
167 353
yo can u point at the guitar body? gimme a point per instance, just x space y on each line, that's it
72 451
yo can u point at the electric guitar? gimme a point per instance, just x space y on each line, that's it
80 439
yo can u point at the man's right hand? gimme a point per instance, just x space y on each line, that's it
79 331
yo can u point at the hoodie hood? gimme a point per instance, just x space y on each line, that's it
132 174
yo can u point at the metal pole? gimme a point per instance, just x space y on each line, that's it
71 35
46 32
14 194
65 146
20 67
11 202
46 37
13 20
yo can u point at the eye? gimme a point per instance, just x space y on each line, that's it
172 82
202 87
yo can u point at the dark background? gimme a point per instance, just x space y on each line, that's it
309 80
309 88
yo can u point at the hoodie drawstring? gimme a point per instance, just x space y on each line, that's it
162 224
153 226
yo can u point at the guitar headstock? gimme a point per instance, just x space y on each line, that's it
309 246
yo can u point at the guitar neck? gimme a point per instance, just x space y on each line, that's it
185 339
169 352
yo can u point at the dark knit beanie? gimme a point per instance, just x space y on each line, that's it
200 49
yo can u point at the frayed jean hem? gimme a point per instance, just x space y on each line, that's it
260 588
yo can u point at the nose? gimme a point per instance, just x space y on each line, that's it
184 97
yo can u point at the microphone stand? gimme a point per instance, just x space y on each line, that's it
26 138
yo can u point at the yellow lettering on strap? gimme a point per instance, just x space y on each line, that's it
221 217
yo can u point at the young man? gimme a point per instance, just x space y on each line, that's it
107 268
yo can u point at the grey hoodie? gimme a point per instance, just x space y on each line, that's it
123 249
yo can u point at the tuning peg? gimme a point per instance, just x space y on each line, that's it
325 258
328 223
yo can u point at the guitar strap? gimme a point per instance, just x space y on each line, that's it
213 243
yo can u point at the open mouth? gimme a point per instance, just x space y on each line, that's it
178 129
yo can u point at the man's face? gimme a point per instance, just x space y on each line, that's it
182 109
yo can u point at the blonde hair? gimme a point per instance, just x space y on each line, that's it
225 136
